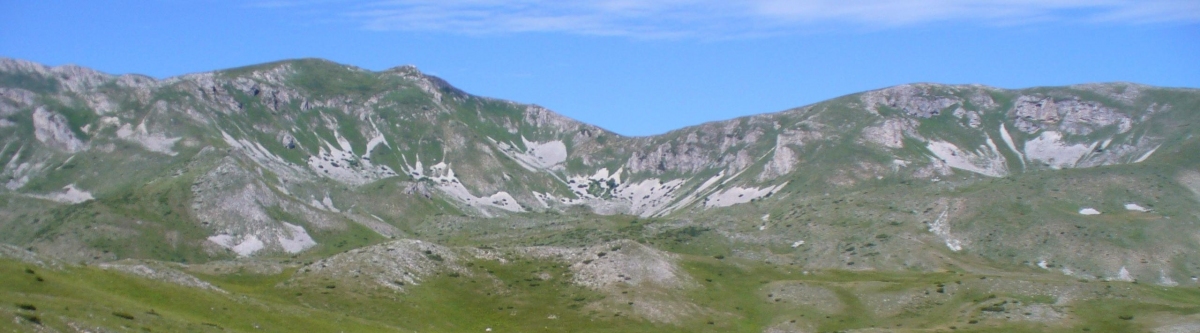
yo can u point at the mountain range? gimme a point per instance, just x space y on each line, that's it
1075 206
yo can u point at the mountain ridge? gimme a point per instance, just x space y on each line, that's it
411 68
311 124
278 180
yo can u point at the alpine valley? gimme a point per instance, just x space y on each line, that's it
311 196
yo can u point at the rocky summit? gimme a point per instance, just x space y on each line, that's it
306 195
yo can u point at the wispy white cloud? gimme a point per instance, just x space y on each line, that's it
732 18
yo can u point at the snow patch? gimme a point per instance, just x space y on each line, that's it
1146 155
298 241
697 193
341 164
328 203
1123 275
739 195
156 142
1165 280
1008 140
941 228
1136 207
375 141
1089 211
649 197
70 194
444 179
266 159
986 161
243 246
606 183
537 155
1050 149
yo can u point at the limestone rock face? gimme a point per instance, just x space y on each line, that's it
53 130
913 99
1073 116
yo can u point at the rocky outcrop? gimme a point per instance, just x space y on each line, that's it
232 203
916 100
52 129
1073 116
393 265
891 133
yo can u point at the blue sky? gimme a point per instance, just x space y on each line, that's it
636 67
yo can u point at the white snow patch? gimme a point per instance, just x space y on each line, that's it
713 180
1089 211
343 165
1123 275
941 228
649 197
245 246
1050 149
738 195
156 142
299 240
1008 140
1166 280
317 204
537 155
986 161
266 159
443 176
542 198
581 183
328 203
64 163
375 141
70 194
1136 207
19 172
697 193
1146 155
